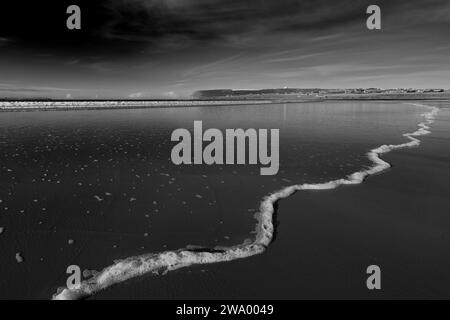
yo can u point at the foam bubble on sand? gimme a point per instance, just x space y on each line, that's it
164 262
98 198
19 257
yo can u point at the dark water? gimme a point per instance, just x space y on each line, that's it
88 187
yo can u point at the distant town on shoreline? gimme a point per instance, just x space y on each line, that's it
320 93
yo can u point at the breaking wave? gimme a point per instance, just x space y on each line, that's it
167 261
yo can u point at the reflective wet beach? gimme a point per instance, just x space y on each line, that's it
88 187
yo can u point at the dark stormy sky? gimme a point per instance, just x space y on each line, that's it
170 48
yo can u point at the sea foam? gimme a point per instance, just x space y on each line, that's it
161 263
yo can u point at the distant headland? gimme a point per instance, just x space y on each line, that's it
323 94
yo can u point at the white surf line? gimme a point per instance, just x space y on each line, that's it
167 261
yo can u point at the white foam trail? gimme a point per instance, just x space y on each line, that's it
164 262
74 105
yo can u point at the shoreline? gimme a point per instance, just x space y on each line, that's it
75 105
29 106
167 261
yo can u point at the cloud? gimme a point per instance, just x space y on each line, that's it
135 95
4 41
13 88
124 27
197 70
127 46
209 20
170 95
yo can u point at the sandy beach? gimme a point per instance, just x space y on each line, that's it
398 220
324 239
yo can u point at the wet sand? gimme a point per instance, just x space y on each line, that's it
325 239
398 220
